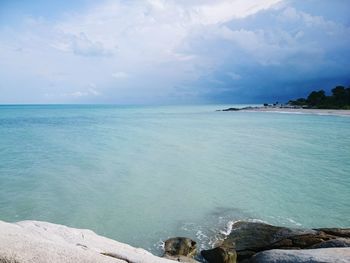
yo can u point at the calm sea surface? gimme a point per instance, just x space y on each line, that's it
142 174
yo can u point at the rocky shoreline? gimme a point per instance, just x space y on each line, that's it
255 242
259 243
291 109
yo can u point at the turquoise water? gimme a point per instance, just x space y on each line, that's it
142 174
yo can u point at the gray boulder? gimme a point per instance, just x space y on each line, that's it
249 238
326 255
338 242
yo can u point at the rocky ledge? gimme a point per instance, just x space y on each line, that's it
258 242
42 242
39 242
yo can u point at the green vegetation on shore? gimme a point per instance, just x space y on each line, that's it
340 99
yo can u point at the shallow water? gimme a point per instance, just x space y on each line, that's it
142 174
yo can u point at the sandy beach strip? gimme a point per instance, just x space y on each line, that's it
301 111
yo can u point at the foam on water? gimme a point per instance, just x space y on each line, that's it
229 227
143 174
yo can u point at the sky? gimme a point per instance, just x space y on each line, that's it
171 51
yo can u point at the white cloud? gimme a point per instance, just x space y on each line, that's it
223 11
151 31
82 45
156 45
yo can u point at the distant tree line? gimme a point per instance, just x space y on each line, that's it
340 99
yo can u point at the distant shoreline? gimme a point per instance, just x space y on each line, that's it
332 112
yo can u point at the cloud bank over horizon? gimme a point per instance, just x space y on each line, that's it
167 51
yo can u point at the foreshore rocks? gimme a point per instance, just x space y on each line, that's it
248 242
249 239
42 242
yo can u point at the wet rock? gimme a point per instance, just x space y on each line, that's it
181 249
254 237
220 254
249 238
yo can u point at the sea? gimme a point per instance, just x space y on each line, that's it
142 174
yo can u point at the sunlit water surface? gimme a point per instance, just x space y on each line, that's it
142 174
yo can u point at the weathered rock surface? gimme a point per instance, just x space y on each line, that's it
326 255
181 249
337 242
42 242
340 232
220 254
182 259
249 238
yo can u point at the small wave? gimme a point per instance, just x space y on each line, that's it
200 235
285 221
294 222
289 112
254 220
229 227
160 245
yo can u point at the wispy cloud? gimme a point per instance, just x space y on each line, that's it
82 45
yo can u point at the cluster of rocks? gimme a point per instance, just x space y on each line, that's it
258 242
42 242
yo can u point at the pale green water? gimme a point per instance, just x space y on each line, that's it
142 174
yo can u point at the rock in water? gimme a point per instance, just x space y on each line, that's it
220 254
231 109
180 249
256 236
334 255
249 238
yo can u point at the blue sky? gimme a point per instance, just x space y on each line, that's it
167 51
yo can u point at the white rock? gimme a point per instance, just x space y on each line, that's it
42 242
